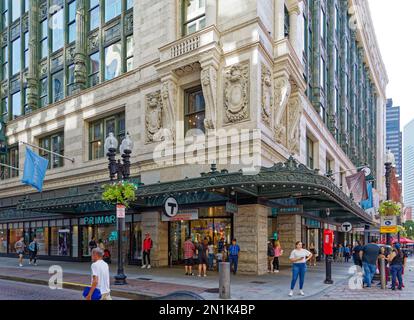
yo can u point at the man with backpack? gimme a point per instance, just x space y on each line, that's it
33 249
146 254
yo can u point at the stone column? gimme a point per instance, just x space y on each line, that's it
151 222
250 230
80 50
296 26
290 231
32 81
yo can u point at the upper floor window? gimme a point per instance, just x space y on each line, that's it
112 9
11 158
194 113
55 144
310 153
322 71
194 15
113 53
286 21
99 131
323 25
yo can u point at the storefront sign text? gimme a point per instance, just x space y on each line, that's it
99 220
231 207
287 210
182 215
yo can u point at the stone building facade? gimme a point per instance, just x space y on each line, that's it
137 66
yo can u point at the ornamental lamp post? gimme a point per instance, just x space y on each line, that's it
121 171
389 163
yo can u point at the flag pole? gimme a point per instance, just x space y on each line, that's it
51 152
7 166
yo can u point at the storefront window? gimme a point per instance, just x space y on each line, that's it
60 241
15 235
137 241
42 238
272 229
3 240
75 241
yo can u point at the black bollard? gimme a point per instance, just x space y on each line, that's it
328 261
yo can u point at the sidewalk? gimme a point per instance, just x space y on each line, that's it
148 284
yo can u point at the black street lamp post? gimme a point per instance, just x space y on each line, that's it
389 161
121 171
328 258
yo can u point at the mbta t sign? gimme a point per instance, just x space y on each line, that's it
170 207
346 227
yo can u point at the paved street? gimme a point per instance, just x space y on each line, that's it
11 290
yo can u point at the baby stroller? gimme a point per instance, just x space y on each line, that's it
107 256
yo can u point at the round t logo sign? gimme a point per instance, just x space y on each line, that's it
346 227
170 207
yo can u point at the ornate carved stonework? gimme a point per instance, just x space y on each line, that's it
209 83
236 93
267 95
169 100
282 93
189 68
295 110
153 115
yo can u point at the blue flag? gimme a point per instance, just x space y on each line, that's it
35 168
369 203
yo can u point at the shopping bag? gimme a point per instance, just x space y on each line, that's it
96 295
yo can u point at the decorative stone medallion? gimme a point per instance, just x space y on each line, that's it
236 93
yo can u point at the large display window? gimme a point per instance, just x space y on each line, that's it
16 231
3 238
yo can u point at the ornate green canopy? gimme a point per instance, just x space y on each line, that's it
289 180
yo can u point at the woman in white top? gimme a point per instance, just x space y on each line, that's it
299 257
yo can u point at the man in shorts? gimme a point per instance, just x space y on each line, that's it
19 246
189 250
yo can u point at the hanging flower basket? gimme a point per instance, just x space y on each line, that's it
119 193
389 208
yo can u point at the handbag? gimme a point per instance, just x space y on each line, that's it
96 295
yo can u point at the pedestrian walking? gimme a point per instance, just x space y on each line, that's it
20 246
369 255
234 251
270 256
347 253
340 253
355 254
101 245
189 250
210 256
278 253
202 251
335 252
397 260
312 249
100 276
146 251
92 245
299 257
33 249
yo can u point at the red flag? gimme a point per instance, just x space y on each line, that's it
357 185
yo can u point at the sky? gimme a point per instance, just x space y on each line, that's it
394 26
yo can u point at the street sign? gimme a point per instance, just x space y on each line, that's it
346 227
389 224
231 207
120 211
170 207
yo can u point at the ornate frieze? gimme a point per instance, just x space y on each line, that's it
282 93
153 115
294 112
209 83
169 100
236 93
267 95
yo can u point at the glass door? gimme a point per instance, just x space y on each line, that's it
178 232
